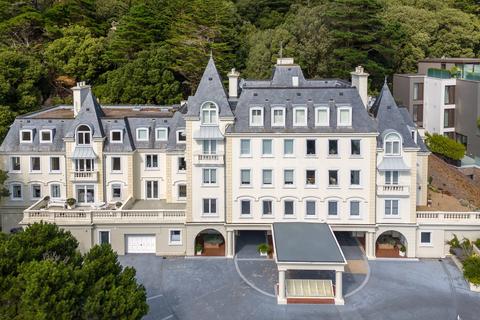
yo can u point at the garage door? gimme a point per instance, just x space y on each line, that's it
140 243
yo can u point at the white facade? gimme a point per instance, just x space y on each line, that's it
435 105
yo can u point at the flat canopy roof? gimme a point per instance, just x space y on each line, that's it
306 242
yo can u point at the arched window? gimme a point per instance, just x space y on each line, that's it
209 113
83 135
392 144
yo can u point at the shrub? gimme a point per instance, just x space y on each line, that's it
471 269
118 204
477 243
263 247
198 247
71 201
445 146
454 243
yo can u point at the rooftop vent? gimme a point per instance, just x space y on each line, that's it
340 93
165 121
299 94
210 78
255 94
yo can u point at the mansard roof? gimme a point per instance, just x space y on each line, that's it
89 114
211 89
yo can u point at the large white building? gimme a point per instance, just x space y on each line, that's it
168 179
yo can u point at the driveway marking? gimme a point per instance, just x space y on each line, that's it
168 317
249 283
364 283
154 297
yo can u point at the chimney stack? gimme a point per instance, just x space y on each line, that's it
80 91
360 81
233 83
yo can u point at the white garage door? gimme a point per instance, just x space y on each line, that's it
140 243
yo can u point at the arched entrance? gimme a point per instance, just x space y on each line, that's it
391 244
209 242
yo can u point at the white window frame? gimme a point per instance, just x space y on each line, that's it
293 148
84 134
178 165
425 244
272 208
249 184
10 159
333 155
59 190
99 231
249 154
296 123
175 242
351 148
31 191
389 177
359 178
153 193
338 178
209 182
119 185
151 160
209 146
249 207
121 136
315 147
336 215
111 164
339 111
178 133
251 117
50 165
317 120
178 191
294 209
271 148
157 130
12 193
359 216
392 138
210 214
86 187
309 216
41 136
391 215
210 111
282 123
138 130
21 136
315 177
31 164
283 178
267 185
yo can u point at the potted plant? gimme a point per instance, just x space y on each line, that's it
263 249
198 249
71 203
118 204
402 251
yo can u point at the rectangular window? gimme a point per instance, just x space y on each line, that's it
332 208
355 177
418 114
181 136
182 191
311 147
418 91
278 117
310 208
245 207
391 207
15 164
35 164
300 116
209 147
355 208
84 165
151 161
322 116
310 176
45 136
26 136
333 177
209 176
267 177
256 117
288 177
142 134
332 147
104 237
425 238
182 164
161 134
116 136
267 146
344 116
449 95
391 177
16 191
245 177
54 164
151 189
355 147
288 207
245 147
449 118
116 164
55 191
36 191
210 206
175 237
288 147
116 191
267 207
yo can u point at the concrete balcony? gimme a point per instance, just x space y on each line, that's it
209 159
448 218
84 176
393 190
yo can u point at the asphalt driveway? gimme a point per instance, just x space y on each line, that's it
180 288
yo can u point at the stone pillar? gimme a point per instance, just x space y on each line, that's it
281 287
230 243
338 288
370 245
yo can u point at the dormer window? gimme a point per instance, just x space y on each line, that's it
209 113
344 117
295 81
46 136
256 117
278 117
161 134
181 136
116 136
322 116
26 136
142 134
83 135
300 116
392 144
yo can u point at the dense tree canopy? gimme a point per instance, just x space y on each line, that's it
46 45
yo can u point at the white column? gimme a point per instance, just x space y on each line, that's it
230 243
338 288
370 245
281 287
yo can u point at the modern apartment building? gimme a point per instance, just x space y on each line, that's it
277 156
444 98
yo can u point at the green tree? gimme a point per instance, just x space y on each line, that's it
6 119
3 190
22 31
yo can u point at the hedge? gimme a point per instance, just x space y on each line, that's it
445 146
471 269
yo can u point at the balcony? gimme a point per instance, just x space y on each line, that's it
393 190
448 217
206 159
84 176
